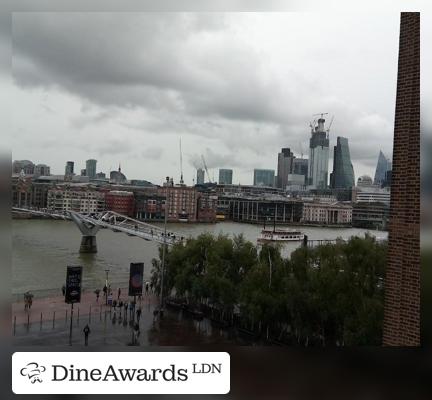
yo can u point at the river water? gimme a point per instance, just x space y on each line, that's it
41 250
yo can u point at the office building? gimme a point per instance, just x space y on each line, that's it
284 167
69 169
225 176
42 170
91 168
327 213
120 201
200 176
383 165
264 177
342 176
300 167
76 198
23 165
318 155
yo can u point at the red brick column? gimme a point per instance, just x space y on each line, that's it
402 282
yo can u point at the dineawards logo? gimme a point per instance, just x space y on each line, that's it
121 373
33 371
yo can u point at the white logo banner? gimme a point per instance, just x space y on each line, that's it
120 372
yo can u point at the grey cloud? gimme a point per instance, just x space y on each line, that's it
189 74
153 153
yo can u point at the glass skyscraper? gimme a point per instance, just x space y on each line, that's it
318 156
91 168
284 167
343 171
225 176
264 177
200 176
383 165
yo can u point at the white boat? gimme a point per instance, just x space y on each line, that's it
280 235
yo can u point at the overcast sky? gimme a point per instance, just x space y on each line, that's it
235 87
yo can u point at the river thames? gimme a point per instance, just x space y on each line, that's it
41 250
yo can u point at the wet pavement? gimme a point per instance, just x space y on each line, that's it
108 325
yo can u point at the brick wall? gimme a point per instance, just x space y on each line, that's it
402 282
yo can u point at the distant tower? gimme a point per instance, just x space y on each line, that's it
284 167
318 155
342 176
200 176
383 165
402 282
91 168
225 176
69 169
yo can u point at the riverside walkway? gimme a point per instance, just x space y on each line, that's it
47 323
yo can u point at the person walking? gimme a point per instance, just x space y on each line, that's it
97 291
125 310
118 293
147 288
138 314
131 309
86 331
136 334
64 290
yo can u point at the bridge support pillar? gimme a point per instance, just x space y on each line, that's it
88 244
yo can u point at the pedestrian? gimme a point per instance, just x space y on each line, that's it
120 304
151 286
86 331
97 291
125 309
136 333
118 293
105 290
138 314
63 290
131 309
147 288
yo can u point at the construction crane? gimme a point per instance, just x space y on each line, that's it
330 124
322 114
181 165
206 169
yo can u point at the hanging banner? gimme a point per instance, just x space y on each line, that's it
73 284
136 279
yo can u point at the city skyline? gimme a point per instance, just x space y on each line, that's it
240 115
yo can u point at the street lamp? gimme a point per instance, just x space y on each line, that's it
106 285
163 248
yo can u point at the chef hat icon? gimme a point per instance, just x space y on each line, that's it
33 371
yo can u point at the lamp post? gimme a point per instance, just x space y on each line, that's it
106 285
163 248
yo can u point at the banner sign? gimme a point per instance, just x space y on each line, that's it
136 279
73 284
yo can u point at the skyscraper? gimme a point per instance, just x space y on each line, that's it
383 165
264 177
300 167
91 168
200 176
284 167
342 176
69 169
225 176
318 155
